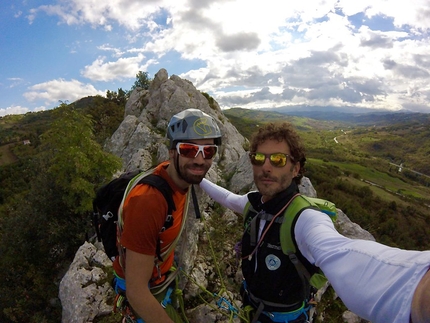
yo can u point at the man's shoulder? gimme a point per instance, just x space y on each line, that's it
161 170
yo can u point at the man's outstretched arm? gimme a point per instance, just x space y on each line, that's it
377 282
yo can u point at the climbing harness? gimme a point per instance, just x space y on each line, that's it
223 304
122 306
227 307
257 305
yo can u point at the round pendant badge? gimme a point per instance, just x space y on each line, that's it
273 262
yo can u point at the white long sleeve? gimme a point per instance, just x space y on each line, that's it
226 198
374 281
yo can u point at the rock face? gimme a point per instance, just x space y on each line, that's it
84 291
140 141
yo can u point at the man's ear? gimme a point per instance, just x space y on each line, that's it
171 153
296 169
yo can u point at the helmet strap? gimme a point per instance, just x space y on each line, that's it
176 163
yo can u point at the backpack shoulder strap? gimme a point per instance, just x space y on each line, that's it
247 208
286 237
250 220
161 184
131 184
299 203
293 210
324 206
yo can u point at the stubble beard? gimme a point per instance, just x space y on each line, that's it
270 190
192 178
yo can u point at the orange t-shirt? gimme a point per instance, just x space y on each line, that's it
144 215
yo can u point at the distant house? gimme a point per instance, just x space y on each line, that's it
26 142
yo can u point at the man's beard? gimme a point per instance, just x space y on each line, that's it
192 178
279 184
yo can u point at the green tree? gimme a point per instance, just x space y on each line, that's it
107 115
43 226
142 80
119 97
74 159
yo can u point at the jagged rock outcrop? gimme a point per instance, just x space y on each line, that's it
84 291
140 141
147 114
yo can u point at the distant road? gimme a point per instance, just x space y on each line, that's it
399 166
411 170
388 190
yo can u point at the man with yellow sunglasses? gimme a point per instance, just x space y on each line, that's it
378 283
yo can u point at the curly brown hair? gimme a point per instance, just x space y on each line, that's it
282 132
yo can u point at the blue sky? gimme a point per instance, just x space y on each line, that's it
250 54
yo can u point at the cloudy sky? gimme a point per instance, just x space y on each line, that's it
245 53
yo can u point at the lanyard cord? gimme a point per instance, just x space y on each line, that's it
268 227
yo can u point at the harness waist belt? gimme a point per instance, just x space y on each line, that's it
283 308
287 316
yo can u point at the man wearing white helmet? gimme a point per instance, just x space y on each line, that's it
194 138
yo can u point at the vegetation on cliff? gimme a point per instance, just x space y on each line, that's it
51 162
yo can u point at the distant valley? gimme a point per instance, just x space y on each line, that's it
349 116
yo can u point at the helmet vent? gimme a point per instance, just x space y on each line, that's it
184 126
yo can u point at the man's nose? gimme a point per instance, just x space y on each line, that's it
267 166
199 158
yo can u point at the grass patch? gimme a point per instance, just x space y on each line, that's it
383 194
6 156
384 180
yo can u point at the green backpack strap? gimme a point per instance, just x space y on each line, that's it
324 206
299 203
296 206
247 208
286 236
250 223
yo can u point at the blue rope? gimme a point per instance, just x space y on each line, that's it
228 306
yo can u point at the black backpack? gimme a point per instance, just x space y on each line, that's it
108 200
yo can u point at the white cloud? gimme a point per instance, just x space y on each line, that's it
308 52
117 52
414 13
15 81
100 70
40 108
13 110
19 110
60 90
132 14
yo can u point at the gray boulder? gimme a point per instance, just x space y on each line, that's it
84 291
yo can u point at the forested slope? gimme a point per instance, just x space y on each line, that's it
56 174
